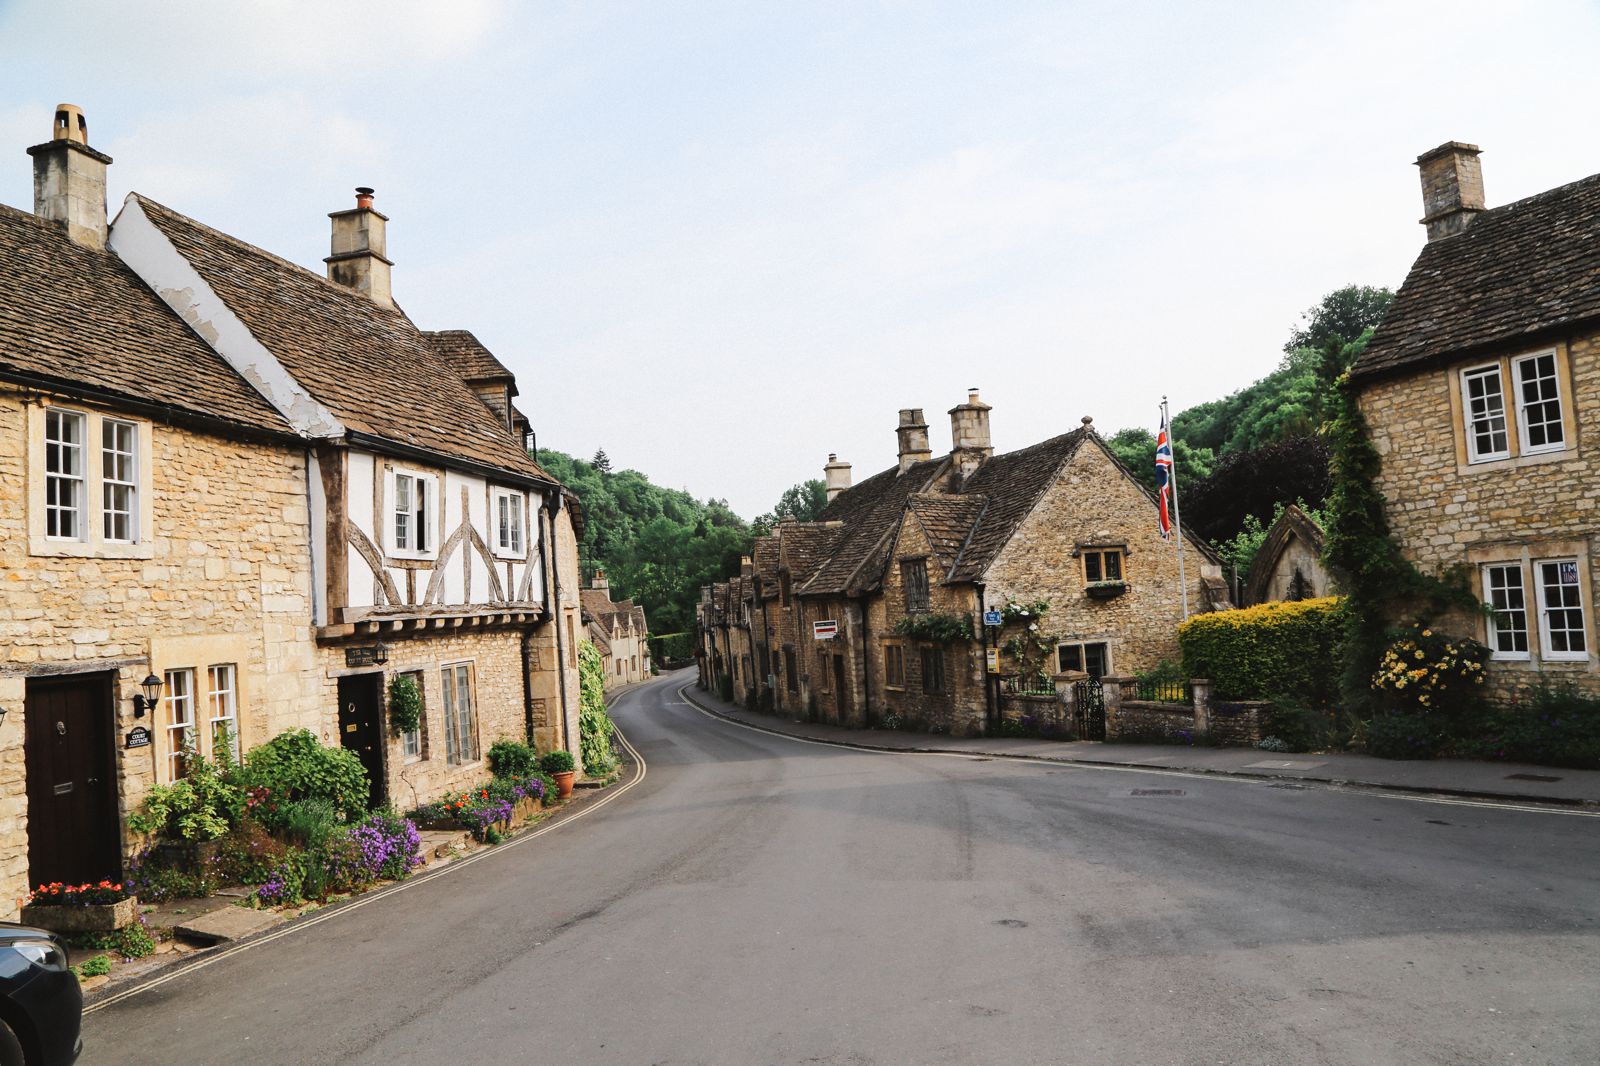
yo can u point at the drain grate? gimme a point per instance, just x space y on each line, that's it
1156 792
1531 777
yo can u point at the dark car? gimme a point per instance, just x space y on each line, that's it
41 1005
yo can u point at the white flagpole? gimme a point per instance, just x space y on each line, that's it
1177 522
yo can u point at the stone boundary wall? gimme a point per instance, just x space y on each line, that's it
1239 723
1147 719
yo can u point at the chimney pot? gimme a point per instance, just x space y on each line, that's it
913 438
1452 188
69 179
836 476
969 434
360 246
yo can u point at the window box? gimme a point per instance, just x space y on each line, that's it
1105 590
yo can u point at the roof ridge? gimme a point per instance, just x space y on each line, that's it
240 243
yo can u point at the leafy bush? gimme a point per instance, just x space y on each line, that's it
202 805
286 884
1404 736
308 823
674 646
130 942
98 966
405 703
154 883
249 854
512 758
1556 726
557 762
594 725
1272 651
1301 726
296 765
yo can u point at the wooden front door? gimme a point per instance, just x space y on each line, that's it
361 727
70 760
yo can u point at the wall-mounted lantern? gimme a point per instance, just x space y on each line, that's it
146 701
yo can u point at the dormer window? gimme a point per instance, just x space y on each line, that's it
415 511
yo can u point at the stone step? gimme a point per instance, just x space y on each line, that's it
227 923
443 843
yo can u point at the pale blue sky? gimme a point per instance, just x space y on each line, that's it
723 240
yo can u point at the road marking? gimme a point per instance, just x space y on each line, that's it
1377 792
373 897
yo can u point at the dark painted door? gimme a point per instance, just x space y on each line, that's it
361 726
840 693
70 758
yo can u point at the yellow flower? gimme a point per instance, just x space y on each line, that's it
1427 632
1419 653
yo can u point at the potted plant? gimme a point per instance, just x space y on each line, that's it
405 704
1105 590
87 908
561 766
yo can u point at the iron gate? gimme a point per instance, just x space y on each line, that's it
1090 699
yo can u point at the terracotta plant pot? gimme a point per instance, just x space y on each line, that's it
96 918
564 783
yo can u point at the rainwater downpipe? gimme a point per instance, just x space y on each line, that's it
988 682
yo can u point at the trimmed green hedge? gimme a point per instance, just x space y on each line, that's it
1272 651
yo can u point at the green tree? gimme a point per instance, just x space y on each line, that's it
1339 317
803 502
657 545
1136 448
601 461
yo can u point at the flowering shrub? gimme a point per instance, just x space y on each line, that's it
1429 671
57 894
477 810
249 854
1028 613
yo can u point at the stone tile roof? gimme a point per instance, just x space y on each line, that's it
467 356
1516 274
871 513
78 317
948 521
368 364
805 546
1013 483
765 558
600 638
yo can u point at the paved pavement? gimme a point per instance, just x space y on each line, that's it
1501 780
754 899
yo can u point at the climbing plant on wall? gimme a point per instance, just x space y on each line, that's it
594 724
1029 646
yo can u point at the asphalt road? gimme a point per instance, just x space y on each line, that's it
760 900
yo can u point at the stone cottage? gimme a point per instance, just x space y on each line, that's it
156 526
1479 389
619 632
879 606
243 498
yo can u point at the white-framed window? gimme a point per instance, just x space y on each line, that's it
460 717
1503 590
1563 630
178 719
508 539
1538 385
119 480
64 475
413 513
1483 405
222 702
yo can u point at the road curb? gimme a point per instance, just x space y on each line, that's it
1338 782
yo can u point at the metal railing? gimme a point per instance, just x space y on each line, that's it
1162 691
1018 685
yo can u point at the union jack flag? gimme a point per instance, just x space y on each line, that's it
1164 477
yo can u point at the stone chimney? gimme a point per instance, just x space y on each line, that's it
600 581
969 434
359 260
747 567
837 475
913 434
69 179
1452 188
